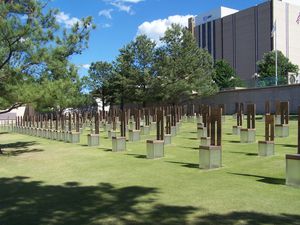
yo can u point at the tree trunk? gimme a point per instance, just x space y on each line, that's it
103 107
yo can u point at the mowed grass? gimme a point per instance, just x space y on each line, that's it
49 182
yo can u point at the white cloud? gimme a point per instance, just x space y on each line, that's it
131 1
106 13
65 19
157 28
123 5
86 66
106 25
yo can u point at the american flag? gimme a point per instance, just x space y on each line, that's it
273 29
298 19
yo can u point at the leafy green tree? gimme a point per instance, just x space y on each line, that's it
266 66
33 49
134 70
62 93
99 81
143 53
183 69
225 76
124 88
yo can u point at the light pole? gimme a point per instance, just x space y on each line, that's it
256 76
274 35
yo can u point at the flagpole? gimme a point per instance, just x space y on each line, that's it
276 56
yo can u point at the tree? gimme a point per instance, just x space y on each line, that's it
60 94
99 81
266 66
143 53
182 68
225 76
144 73
33 49
124 83
134 70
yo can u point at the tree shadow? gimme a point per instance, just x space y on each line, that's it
245 153
34 202
267 180
19 144
248 218
19 152
18 148
3 133
186 165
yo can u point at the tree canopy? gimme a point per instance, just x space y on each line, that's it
145 73
35 52
225 76
99 81
182 68
266 66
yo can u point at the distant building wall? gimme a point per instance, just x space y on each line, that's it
258 96
287 19
242 38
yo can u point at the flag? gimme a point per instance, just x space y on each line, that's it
298 19
273 29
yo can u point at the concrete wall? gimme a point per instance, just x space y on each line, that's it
258 96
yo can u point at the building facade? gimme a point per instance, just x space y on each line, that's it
243 37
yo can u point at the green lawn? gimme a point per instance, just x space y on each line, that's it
49 182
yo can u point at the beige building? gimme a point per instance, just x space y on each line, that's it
242 37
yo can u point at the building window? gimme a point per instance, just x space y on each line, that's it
199 36
209 37
203 36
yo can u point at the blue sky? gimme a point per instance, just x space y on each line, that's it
119 21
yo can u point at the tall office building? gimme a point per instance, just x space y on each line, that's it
242 37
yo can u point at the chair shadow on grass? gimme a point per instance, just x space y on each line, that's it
138 156
187 165
288 145
18 148
195 139
192 148
263 179
106 149
245 153
72 203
